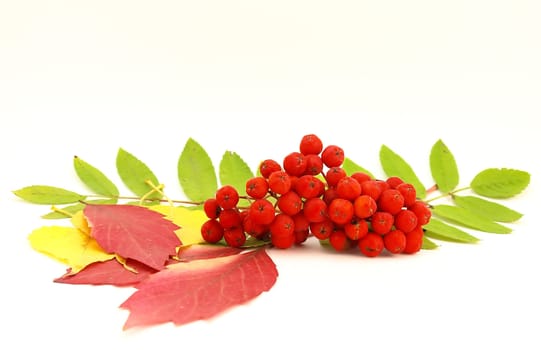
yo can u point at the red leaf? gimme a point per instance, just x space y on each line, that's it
200 289
205 251
133 232
109 272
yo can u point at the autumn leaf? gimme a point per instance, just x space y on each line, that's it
205 251
186 292
68 245
133 232
189 221
110 272
79 221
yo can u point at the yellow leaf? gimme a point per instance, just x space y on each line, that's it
79 221
68 245
189 221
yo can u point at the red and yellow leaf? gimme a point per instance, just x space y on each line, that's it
79 221
133 232
110 272
69 246
200 289
189 221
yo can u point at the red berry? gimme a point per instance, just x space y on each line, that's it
279 182
414 240
211 208
229 218
371 245
382 222
254 229
283 242
290 203
212 231
301 222
301 236
408 192
315 209
364 206
339 241
243 214
268 167
405 220
395 241
348 188
391 201
309 186
332 156
314 164
340 211
361 177
322 230
371 188
383 185
227 197
257 187
283 225
329 195
422 211
356 229
334 175
310 144
262 212
234 236
394 181
295 164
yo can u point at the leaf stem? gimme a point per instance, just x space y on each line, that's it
460 189
159 189
432 189
135 198
61 211
447 194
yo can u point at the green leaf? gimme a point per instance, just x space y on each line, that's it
251 242
440 230
395 165
467 218
74 208
500 183
134 174
443 167
94 179
490 210
234 171
428 244
196 173
40 194
351 167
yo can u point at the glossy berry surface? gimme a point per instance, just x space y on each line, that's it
311 144
227 197
309 194
371 245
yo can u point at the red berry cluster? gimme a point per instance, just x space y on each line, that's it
311 194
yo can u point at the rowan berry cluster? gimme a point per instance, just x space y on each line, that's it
311 194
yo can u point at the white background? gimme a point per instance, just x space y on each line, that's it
85 78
